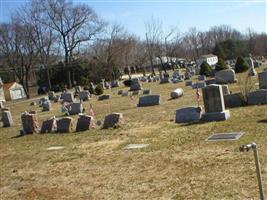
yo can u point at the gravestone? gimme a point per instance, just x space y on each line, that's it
189 114
187 75
84 95
67 97
30 123
84 123
65 125
120 92
149 100
125 93
233 100
74 108
107 85
263 80
188 83
135 92
225 76
113 120
258 97
51 95
201 77
165 78
42 100
225 89
33 103
210 81
7 118
214 104
78 89
135 84
146 92
115 83
104 97
1 104
252 71
47 106
198 85
177 93
56 98
49 125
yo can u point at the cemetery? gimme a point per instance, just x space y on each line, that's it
132 99
156 139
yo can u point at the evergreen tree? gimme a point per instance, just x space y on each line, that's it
241 65
220 65
205 69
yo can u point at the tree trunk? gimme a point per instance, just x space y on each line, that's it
48 77
69 78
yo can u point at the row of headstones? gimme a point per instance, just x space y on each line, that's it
30 123
69 96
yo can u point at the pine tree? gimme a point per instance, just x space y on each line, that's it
205 69
220 65
241 65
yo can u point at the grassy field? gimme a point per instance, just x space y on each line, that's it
178 164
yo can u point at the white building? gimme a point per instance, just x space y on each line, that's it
13 91
209 58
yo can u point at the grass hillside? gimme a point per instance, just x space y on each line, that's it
178 164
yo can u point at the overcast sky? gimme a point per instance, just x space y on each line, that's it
202 14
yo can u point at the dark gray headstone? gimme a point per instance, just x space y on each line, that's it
67 97
149 100
146 92
225 76
190 114
233 100
113 120
47 106
198 85
49 126
84 95
64 125
257 97
74 108
104 97
84 123
135 84
263 80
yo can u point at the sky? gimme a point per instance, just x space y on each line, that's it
181 14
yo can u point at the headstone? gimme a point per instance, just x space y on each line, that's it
201 77
146 92
125 93
225 76
30 123
56 98
115 83
120 92
189 114
210 81
84 95
177 93
165 78
188 83
47 106
135 92
187 75
252 71
74 108
113 120
42 100
65 125
49 126
233 100
258 97
67 97
198 85
51 95
214 104
104 97
263 80
107 85
225 89
149 100
7 118
84 123
135 84
78 89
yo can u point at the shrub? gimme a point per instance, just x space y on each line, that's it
99 89
205 69
127 83
241 65
220 65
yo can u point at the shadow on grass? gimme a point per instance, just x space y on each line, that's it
190 123
262 121
17 136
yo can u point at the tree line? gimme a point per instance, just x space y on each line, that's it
70 43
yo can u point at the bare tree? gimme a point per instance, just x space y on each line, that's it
75 25
19 50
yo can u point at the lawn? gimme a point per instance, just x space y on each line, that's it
178 164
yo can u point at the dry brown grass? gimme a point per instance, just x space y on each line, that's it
178 164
